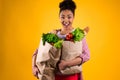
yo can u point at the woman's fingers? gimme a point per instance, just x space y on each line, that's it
35 71
62 65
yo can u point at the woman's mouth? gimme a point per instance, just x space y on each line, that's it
66 24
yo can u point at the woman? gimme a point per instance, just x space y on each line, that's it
67 13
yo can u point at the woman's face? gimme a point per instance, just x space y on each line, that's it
66 18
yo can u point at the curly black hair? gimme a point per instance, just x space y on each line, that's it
67 4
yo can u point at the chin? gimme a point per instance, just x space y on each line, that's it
66 26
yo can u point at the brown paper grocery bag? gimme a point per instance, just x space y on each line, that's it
48 74
46 61
70 51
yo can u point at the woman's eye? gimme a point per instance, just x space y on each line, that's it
63 17
69 17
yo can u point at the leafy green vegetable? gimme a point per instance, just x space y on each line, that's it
52 38
78 34
58 44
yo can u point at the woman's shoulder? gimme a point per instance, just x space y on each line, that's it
54 31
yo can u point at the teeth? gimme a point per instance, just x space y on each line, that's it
66 24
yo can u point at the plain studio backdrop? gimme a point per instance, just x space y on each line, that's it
22 23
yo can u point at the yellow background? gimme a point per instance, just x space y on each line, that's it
23 21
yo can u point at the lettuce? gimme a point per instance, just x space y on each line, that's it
58 44
53 39
78 34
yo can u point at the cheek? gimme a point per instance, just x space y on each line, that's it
71 20
61 20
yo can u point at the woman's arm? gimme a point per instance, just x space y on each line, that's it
63 64
34 57
86 53
35 69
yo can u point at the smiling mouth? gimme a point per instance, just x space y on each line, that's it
66 24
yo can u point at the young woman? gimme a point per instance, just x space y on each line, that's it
66 14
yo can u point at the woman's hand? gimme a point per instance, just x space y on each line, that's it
35 71
62 65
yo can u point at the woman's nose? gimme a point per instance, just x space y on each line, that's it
66 19
65 22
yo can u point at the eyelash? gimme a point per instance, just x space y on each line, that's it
63 17
69 17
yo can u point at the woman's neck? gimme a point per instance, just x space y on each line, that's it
66 30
